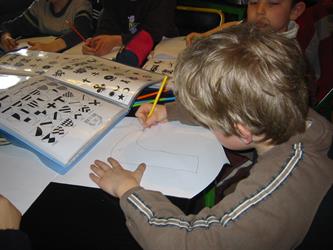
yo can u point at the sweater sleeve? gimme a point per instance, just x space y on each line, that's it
159 19
25 25
108 23
177 112
156 223
81 16
14 240
83 23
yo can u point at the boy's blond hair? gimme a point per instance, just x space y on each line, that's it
245 76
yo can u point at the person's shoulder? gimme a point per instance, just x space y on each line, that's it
319 132
319 120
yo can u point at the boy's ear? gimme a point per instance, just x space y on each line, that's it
244 133
297 10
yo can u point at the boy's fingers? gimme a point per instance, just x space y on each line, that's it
140 170
97 170
114 163
102 165
94 178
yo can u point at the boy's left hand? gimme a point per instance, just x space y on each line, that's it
54 46
113 178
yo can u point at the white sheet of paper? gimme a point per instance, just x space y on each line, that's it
169 48
23 177
181 160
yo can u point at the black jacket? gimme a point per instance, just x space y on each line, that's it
126 17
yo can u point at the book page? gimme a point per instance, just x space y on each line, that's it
28 62
58 121
108 79
163 59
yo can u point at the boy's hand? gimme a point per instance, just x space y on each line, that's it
101 45
159 115
8 43
113 178
88 48
10 217
54 46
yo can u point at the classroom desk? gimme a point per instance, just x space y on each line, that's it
75 217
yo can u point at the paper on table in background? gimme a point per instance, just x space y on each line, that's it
23 176
162 60
181 160
162 67
169 48
77 50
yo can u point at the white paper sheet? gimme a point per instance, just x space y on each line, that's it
23 176
169 48
181 160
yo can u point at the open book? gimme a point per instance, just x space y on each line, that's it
64 112
28 62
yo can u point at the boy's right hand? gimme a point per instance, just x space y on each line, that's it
8 43
159 115
88 48
101 45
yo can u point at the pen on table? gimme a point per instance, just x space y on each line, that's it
73 28
157 96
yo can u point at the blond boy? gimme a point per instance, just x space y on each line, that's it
250 96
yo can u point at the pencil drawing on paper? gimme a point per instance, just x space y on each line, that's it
139 146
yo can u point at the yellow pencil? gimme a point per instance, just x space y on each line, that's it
158 96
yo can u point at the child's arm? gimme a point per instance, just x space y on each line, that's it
54 46
101 45
194 35
113 178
